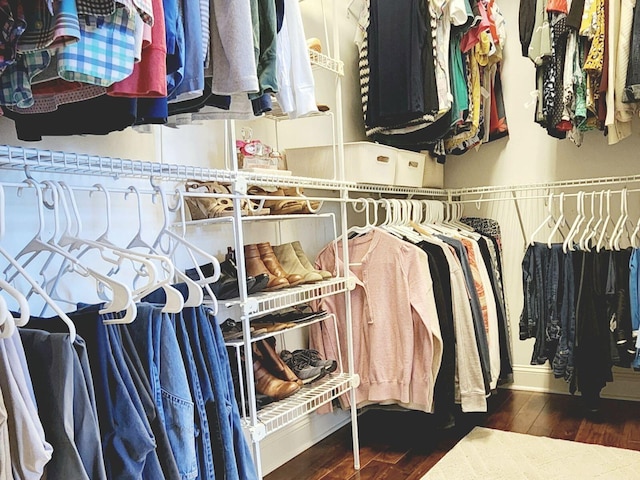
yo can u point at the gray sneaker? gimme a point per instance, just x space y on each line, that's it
312 357
303 370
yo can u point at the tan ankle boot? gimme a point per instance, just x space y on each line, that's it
255 266
304 260
271 262
290 262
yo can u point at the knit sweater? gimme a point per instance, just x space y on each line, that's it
397 344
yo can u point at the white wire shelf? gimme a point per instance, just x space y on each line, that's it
17 158
398 189
308 399
268 302
239 343
250 218
323 61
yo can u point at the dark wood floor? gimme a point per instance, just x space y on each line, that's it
405 445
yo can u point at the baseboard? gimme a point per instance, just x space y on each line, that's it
281 446
539 378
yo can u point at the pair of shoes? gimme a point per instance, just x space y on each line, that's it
293 316
227 285
306 356
291 201
202 207
261 259
306 366
231 330
294 260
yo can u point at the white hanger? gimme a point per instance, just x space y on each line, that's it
121 295
547 219
575 226
359 206
174 241
605 224
622 224
195 295
584 238
34 285
7 323
559 222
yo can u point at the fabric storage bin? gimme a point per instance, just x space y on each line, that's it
364 162
409 169
433 176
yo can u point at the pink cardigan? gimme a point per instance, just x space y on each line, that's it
396 333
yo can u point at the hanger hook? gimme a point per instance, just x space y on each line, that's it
107 198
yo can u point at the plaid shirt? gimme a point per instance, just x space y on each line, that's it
12 26
104 55
45 30
15 82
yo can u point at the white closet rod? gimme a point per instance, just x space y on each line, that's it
541 197
586 182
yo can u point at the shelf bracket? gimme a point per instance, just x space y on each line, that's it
258 432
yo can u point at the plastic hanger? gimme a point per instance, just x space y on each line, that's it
575 226
622 224
7 323
605 224
559 222
175 241
34 285
545 222
584 238
121 295
195 295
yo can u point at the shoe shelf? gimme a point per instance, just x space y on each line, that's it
268 302
309 398
251 218
239 343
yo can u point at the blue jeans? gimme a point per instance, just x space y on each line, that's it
67 413
155 339
563 359
199 383
142 386
223 384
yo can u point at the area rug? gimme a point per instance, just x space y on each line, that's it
493 454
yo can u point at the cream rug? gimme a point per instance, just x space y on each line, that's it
493 454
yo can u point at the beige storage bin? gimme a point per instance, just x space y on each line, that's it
409 169
364 162
433 176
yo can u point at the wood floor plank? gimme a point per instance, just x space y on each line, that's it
503 418
405 445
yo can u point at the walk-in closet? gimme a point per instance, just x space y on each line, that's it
319 239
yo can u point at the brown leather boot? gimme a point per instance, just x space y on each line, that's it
255 266
269 385
272 362
271 262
